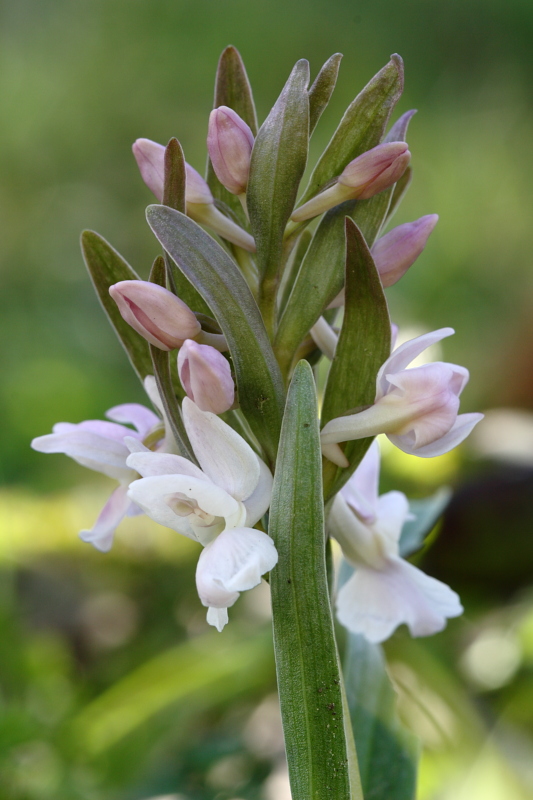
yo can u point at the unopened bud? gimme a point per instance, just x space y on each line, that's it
365 176
230 142
158 315
150 157
395 252
206 377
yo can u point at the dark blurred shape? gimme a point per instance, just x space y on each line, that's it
485 546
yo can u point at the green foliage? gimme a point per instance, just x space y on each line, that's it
309 679
222 286
107 267
364 342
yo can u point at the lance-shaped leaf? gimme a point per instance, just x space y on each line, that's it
387 752
361 127
278 162
163 378
107 267
364 344
321 761
426 514
321 275
174 197
322 89
232 89
219 281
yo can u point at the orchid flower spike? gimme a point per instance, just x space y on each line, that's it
365 176
385 591
158 315
206 377
150 157
100 446
416 408
230 142
216 506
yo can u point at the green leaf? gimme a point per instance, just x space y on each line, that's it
387 752
107 267
175 177
218 279
278 163
361 127
426 515
321 275
321 764
163 378
364 344
322 89
400 188
292 272
232 89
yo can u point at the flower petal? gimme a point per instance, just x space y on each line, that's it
457 433
89 449
134 414
218 617
375 602
116 508
147 463
232 563
392 514
152 495
257 504
407 352
223 455
361 491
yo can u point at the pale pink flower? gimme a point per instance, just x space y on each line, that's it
416 408
384 591
216 506
100 445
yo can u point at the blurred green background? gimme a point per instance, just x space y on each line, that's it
112 685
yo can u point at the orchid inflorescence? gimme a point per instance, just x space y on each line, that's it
204 464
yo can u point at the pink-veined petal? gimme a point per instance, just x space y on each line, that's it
375 602
458 433
142 418
154 493
147 464
407 352
223 455
116 508
361 491
99 453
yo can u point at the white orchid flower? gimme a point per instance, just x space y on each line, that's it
385 591
416 408
216 506
99 445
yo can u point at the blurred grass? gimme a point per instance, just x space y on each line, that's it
112 687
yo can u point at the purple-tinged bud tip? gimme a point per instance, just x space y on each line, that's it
377 169
230 142
395 252
206 377
158 315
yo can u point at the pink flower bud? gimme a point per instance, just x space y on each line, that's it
395 252
365 176
377 169
154 312
150 157
206 377
230 142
